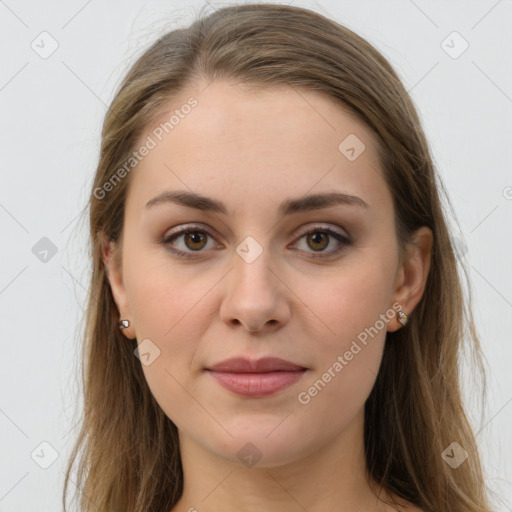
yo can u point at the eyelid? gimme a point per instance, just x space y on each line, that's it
322 227
206 229
180 231
344 239
184 228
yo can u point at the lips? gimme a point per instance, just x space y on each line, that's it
264 365
256 378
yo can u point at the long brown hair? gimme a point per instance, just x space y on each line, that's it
127 450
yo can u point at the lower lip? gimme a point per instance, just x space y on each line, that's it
257 384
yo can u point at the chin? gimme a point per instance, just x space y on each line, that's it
258 444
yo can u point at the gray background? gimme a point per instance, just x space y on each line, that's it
51 114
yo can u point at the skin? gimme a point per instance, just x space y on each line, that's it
251 151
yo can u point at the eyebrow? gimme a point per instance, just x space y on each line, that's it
287 207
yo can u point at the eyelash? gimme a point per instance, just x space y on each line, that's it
199 229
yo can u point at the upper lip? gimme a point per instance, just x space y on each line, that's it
263 365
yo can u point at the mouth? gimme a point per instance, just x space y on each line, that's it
256 378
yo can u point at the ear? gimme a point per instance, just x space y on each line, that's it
413 273
110 253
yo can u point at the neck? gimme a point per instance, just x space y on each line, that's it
331 478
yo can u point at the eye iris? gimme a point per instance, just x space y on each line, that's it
196 237
316 238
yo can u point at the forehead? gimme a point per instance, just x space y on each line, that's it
252 148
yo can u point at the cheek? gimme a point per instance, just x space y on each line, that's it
170 320
165 296
347 366
174 312
353 302
356 310
172 308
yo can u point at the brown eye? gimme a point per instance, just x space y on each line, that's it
323 242
318 240
195 240
188 241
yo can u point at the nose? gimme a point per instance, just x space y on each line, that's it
255 296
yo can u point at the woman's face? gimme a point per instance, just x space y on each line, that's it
263 273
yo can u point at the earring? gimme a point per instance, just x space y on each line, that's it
123 324
402 318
